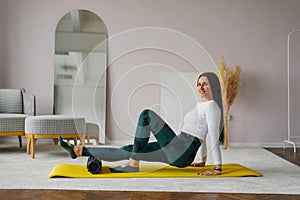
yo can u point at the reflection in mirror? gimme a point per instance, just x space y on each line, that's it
80 69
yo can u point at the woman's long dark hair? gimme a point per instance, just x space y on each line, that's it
215 87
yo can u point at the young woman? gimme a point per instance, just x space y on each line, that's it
177 150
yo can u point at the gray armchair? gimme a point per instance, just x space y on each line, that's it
15 106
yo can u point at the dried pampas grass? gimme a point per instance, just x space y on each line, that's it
233 85
230 83
223 74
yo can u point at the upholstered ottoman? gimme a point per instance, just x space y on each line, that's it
12 125
92 132
52 126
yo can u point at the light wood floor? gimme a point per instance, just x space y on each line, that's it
287 154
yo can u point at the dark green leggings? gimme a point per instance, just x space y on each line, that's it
177 150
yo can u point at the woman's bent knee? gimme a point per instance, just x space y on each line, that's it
145 112
144 119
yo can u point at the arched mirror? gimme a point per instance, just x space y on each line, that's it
80 70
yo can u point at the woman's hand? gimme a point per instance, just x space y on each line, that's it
209 173
198 164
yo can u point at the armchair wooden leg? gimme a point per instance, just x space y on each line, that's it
32 144
82 142
89 138
20 140
28 144
82 139
55 141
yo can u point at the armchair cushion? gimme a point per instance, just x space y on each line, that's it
11 101
12 123
15 101
28 103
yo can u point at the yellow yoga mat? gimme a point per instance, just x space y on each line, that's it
151 171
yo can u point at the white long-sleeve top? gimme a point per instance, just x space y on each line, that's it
202 120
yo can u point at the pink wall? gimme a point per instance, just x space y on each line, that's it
249 33
1 45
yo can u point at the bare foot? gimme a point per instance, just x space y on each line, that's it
198 164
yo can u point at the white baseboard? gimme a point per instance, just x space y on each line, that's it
126 142
262 145
234 144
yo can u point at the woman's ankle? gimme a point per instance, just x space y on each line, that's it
68 147
134 163
78 150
